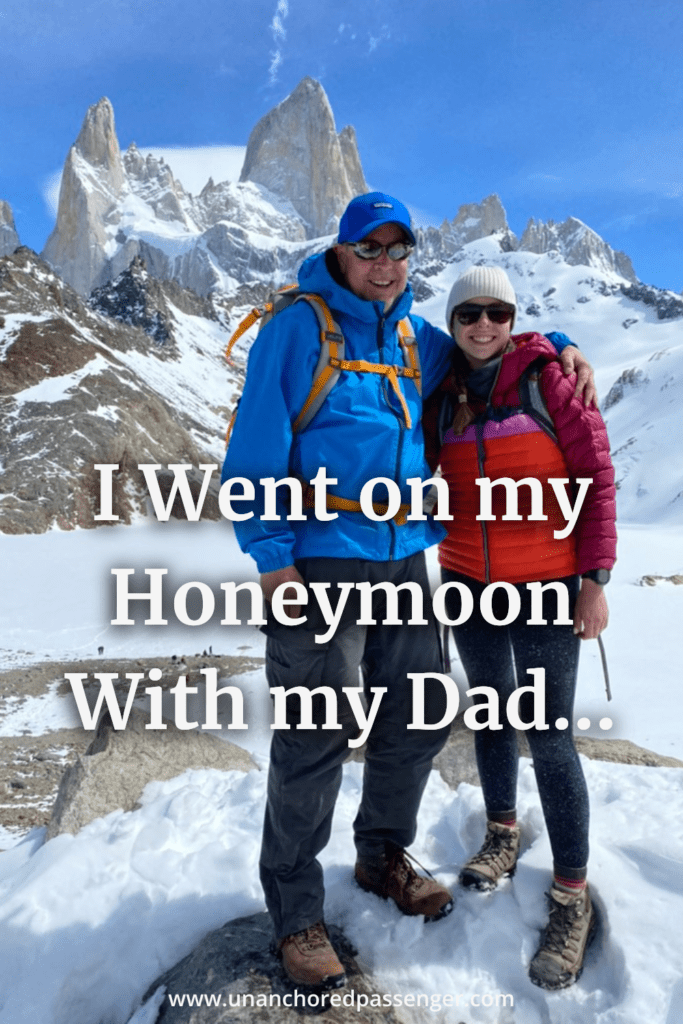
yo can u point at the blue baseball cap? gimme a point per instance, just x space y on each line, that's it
365 213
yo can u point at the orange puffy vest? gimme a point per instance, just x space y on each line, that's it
504 550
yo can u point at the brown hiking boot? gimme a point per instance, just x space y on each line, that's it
496 859
309 959
559 958
392 875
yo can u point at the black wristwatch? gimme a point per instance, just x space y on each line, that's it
601 576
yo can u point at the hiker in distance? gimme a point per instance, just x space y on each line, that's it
507 410
367 426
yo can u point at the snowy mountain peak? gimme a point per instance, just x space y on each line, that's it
472 221
295 151
93 182
152 180
578 244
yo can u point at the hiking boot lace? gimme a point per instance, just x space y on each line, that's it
314 937
563 932
399 864
495 845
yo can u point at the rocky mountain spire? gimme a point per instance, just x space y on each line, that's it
98 145
578 244
9 239
93 181
296 153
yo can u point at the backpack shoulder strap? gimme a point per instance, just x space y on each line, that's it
532 397
327 371
411 353
331 359
279 300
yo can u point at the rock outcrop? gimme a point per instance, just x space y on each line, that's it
118 765
295 151
137 299
92 185
472 221
235 968
667 305
75 392
9 239
577 244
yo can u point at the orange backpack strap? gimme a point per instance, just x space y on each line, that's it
411 358
411 353
331 360
328 368
336 503
249 321
265 312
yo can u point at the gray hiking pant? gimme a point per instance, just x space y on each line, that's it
306 765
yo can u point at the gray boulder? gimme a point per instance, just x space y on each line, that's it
236 967
456 762
118 764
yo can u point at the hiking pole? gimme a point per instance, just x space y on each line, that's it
603 657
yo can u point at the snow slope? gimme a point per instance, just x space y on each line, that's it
88 922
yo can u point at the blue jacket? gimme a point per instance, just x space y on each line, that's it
358 434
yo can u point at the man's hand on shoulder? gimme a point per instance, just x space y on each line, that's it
574 362
270 581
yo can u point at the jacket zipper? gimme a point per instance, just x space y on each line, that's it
401 427
481 463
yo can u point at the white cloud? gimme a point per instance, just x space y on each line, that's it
383 35
423 218
277 29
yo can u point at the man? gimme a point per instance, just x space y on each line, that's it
368 427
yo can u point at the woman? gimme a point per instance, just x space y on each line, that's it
507 410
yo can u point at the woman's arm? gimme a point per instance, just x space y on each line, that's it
582 436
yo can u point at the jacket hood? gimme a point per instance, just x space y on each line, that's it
315 276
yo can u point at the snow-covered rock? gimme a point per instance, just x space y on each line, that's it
119 763
577 243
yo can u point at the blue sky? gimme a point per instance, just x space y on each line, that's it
562 108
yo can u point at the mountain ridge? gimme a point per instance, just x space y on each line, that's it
128 367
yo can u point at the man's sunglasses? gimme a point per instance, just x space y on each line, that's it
373 250
470 312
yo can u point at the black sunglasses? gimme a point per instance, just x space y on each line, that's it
373 250
470 312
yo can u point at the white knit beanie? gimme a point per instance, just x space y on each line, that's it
489 282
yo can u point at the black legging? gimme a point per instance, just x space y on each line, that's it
498 657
